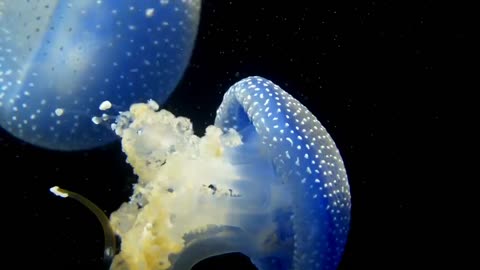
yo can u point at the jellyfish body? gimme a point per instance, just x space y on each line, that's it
60 59
266 180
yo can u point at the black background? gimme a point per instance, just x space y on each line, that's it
382 77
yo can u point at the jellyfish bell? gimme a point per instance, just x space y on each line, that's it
60 59
266 180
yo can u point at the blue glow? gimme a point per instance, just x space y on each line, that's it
69 56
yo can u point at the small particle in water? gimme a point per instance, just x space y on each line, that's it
105 105
96 120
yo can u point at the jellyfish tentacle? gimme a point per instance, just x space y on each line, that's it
109 236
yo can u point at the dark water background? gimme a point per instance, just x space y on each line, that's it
374 73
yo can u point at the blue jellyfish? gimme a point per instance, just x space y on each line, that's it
266 180
60 59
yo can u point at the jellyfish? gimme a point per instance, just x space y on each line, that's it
60 59
265 180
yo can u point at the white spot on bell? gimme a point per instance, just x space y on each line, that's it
59 111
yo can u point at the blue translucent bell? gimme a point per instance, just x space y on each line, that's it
60 59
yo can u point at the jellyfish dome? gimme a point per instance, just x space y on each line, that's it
60 59
266 180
